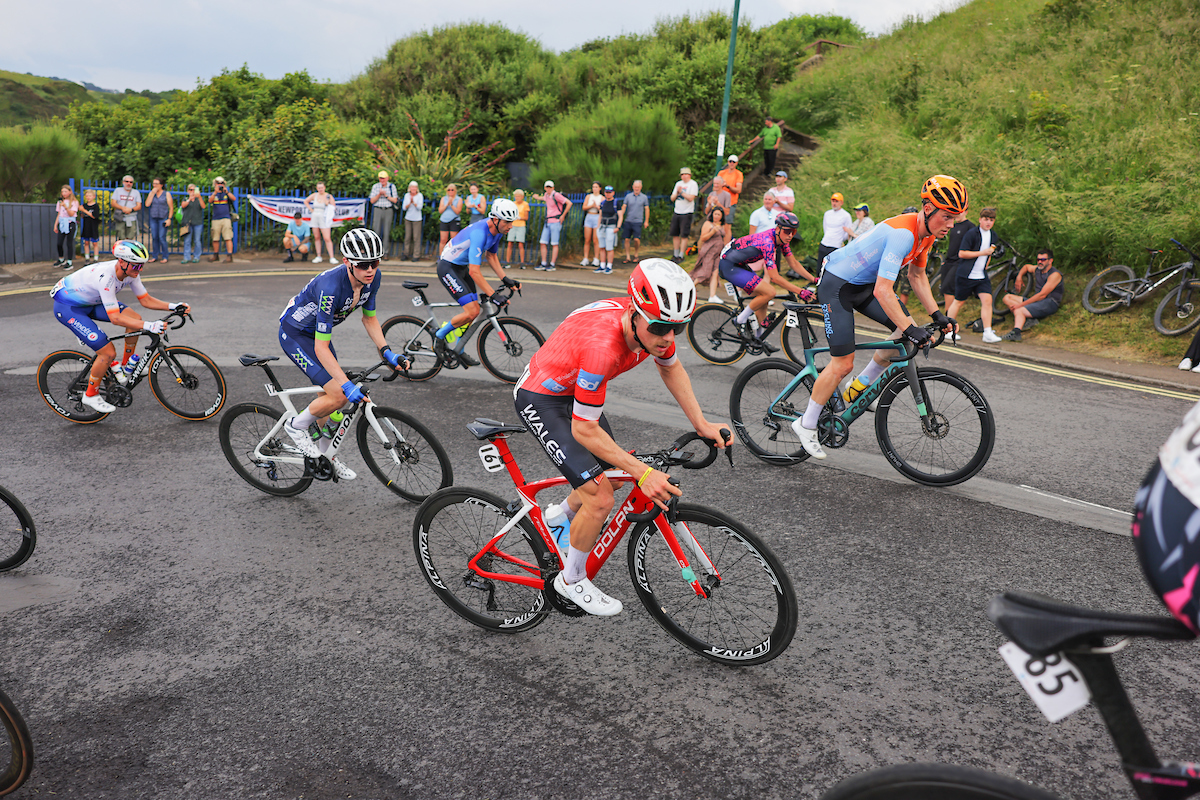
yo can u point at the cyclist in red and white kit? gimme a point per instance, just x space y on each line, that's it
561 401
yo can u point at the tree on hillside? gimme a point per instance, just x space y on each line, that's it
34 164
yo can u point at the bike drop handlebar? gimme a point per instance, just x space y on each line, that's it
910 349
674 456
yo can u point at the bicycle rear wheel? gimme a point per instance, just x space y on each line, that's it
16 748
940 781
713 335
1106 290
18 537
414 338
411 461
1179 311
62 379
948 448
749 616
197 392
762 417
508 359
451 528
279 468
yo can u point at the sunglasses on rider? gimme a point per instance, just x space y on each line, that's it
366 265
663 328
131 266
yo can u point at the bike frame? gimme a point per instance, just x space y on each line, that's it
636 502
434 323
154 348
1140 287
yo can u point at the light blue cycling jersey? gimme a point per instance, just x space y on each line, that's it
468 245
890 246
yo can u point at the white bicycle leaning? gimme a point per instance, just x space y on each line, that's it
399 450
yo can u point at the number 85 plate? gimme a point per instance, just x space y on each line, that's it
1054 683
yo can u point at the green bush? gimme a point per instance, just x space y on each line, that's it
34 164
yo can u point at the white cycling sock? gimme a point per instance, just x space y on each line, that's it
874 370
576 565
811 415
745 315
566 509
302 420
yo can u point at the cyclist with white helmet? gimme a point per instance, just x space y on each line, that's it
306 334
861 277
90 294
560 399
459 268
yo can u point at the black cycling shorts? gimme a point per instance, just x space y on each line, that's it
548 418
840 300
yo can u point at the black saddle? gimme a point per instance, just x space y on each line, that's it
414 285
483 428
251 360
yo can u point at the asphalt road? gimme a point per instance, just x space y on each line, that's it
179 634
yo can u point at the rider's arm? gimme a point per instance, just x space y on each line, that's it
475 260
676 379
374 329
794 263
918 278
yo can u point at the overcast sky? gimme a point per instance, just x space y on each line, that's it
145 44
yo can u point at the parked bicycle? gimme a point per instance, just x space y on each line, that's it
19 536
399 450
506 344
716 337
1117 287
16 748
186 382
703 576
934 426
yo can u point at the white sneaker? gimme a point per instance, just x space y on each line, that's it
990 337
302 440
1196 368
809 439
317 260
585 263
98 403
343 472
715 299
584 594
1185 364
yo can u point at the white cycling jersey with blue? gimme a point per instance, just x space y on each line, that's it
96 285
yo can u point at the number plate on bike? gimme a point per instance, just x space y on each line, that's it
792 321
417 301
1054 683
729 290
489 454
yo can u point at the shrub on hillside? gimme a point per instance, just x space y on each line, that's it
35 163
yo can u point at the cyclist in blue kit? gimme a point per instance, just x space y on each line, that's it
306 334
459 269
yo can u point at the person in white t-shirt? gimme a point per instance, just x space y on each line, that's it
834 222
764 216
977 247
684 195
785 198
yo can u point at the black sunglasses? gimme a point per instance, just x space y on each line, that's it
1042 260
663 328
365 265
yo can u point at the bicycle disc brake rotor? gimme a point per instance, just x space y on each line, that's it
557 601
935 426
188 381
119 396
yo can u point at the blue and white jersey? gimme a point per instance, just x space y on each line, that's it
891 245
327 301
468 245
96 285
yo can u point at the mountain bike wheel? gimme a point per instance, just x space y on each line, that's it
242 429
451 527
959 441
62 380
16 748
1179 311
18 537
713 335
792 336
412 462
941 781
749 616
197 392
761 419
508 359
414 338
1101 295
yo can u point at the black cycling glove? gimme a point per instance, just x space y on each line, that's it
509 282
917 335
941 319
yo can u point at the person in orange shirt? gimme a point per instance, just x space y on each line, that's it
733 178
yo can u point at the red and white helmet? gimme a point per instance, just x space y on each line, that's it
662 291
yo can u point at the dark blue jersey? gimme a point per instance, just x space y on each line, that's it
327 301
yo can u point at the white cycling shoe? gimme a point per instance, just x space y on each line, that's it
302 440
584 594
98 403
808 439
343 472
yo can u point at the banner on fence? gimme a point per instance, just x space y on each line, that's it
283 209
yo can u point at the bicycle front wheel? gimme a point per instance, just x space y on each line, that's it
451 528
507 356
187 383
792 336
62 380
16 749
941 781
1179 311
713 335
947 445
414 338
410 460
18 537
762 413
278 468
749 616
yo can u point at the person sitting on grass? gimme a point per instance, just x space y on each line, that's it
1046 298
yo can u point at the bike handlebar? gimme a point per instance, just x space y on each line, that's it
673 456
910 349
1184 248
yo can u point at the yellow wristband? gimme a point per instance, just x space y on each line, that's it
645 475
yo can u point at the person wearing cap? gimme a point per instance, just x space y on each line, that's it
835 222
770 135
862 221
413 206
684 195
632 218
557 208
222 201
383 200
606 234
734 179
296 238
785 198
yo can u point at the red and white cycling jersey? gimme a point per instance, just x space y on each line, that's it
586 351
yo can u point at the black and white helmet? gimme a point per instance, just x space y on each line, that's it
504 210
361 244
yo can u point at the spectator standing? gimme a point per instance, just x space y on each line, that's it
384 200
834 222
606 233
162 208
771 134
734 179
449 216
89 219
632 218
557 208
321 208
977 247
223 202
475 203
296 238
764 216
126 203
785 198
192 225
517 232
66 220
591 223
713 238
684 195
413 206
1046 298
719 196
862 221
951 262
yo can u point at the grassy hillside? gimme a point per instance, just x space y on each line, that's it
27 99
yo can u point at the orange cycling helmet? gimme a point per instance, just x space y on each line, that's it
945 193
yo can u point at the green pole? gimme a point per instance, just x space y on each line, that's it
728 85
